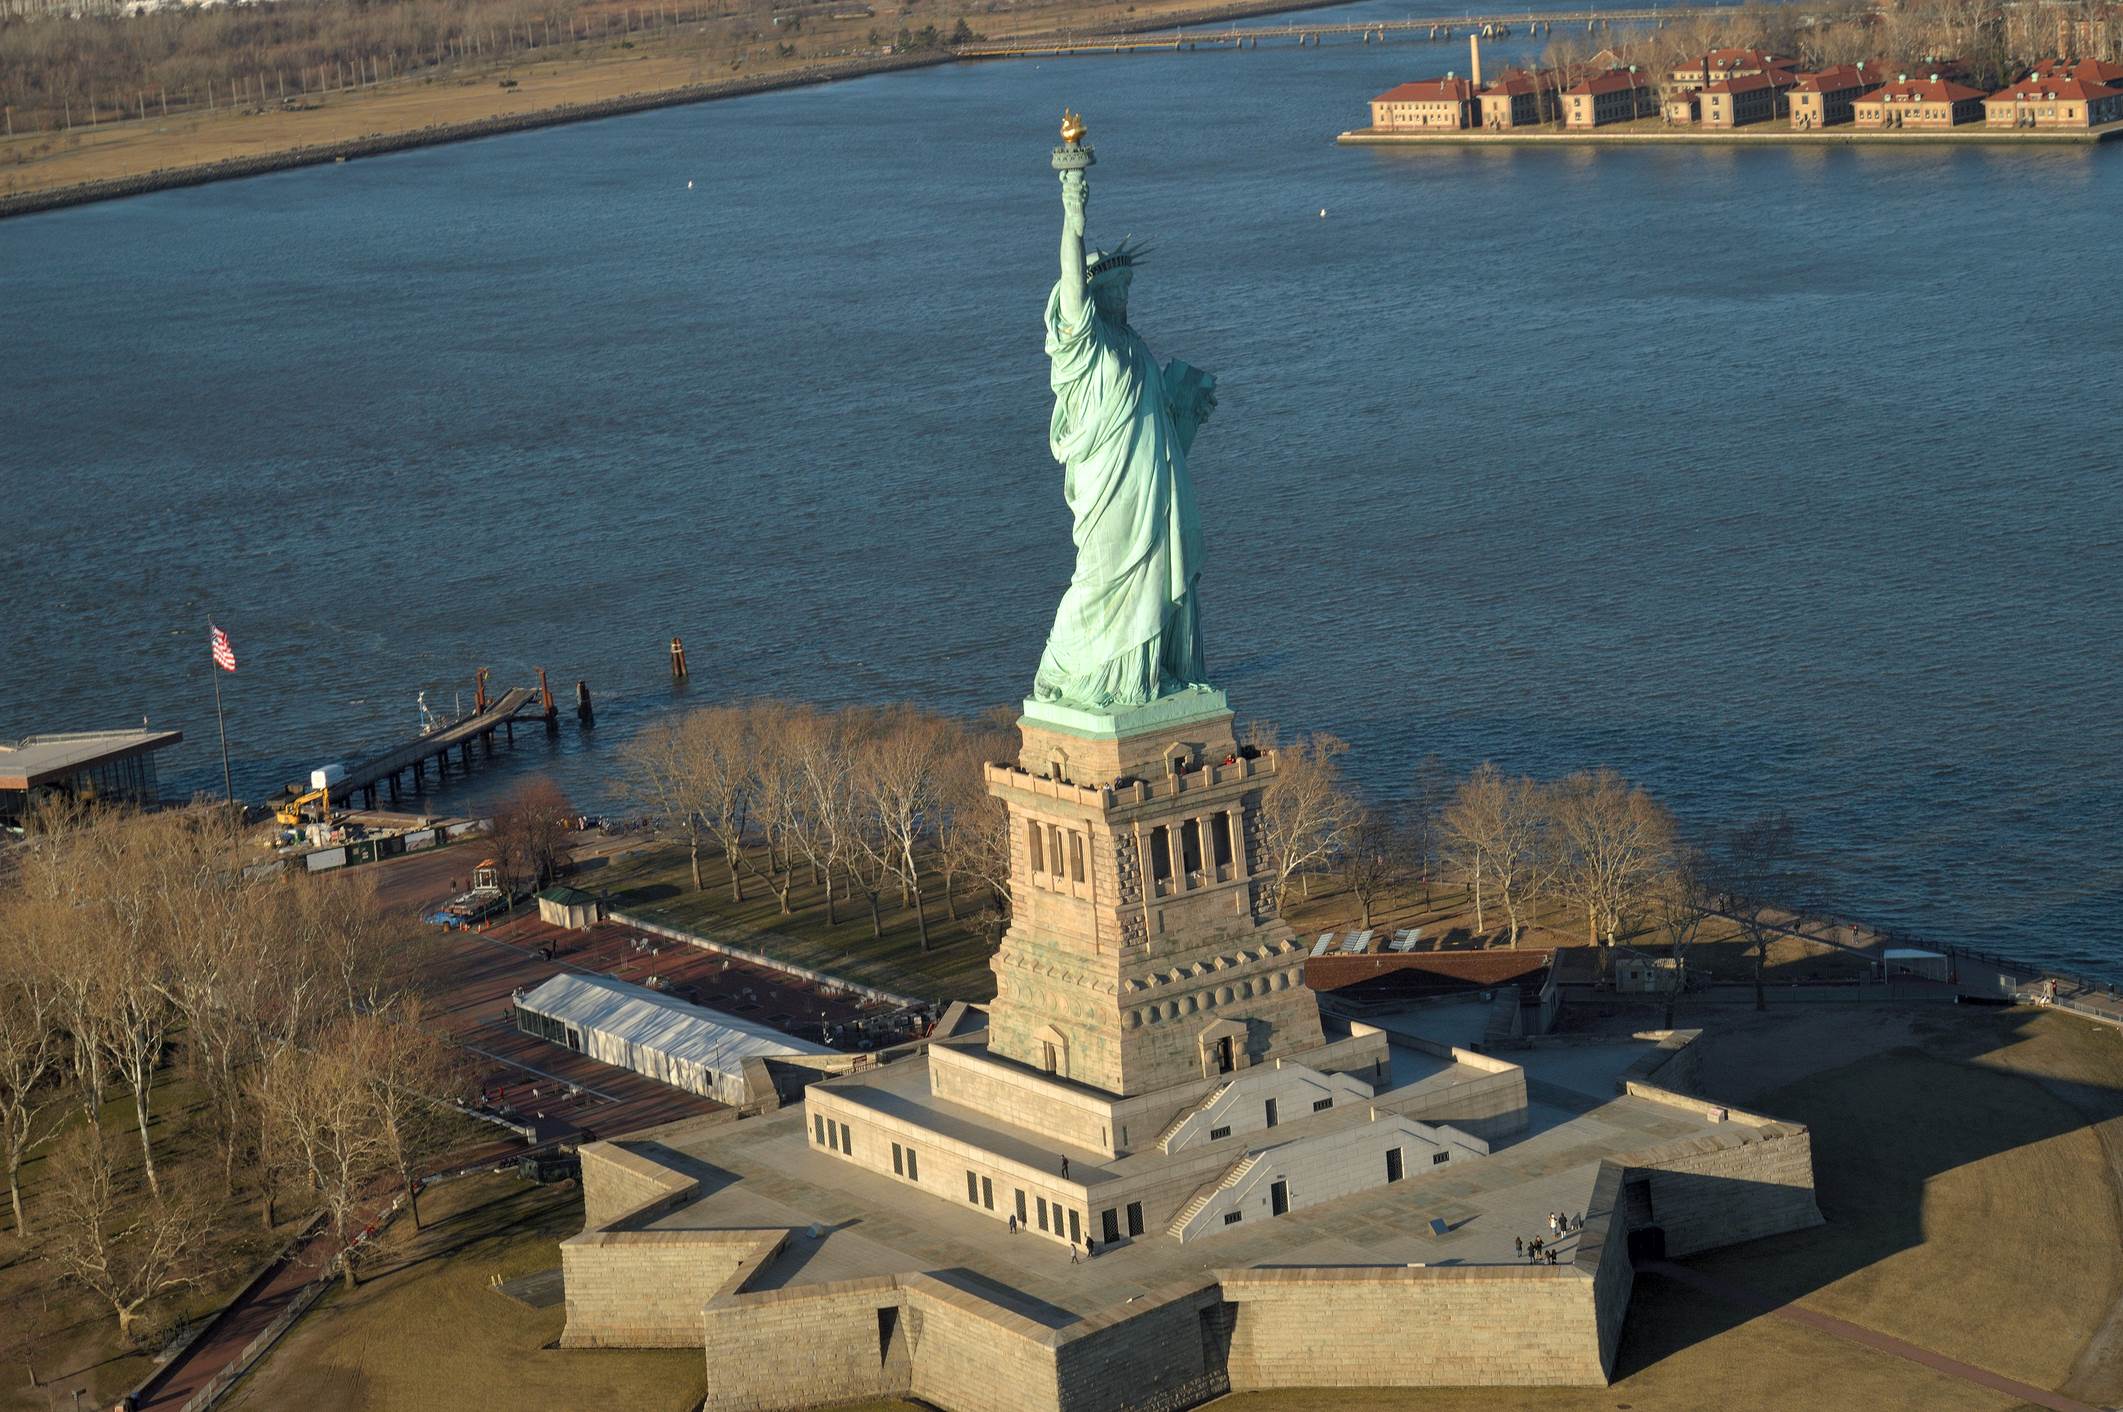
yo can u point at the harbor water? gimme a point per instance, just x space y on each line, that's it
1775 479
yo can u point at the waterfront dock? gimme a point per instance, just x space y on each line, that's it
411 758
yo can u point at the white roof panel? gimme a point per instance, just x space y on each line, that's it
649 1020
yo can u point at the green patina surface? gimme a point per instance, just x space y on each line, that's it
1126 633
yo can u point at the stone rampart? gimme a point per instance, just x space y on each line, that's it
1489 1107
1159 1354
646 1289
809 1345
618 1183
1736 1184
1396 1326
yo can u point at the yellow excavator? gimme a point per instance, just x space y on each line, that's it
291 814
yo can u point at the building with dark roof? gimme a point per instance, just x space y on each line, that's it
1829 97
1616 96
1752 98
106 766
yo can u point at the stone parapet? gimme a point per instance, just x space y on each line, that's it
1396 1326
646 1289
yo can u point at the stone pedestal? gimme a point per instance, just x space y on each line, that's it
1144 951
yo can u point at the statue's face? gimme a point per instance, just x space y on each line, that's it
1111 296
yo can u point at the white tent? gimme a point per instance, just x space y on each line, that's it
687 1046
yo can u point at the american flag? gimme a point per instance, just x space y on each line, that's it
224 655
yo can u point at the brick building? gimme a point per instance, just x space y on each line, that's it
1721 64
1919 103
2054 101
1828 98
1446 102
1521 98
1616 96
1753 98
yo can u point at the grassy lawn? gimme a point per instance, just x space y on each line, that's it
658 883
424 1330
1971 1210
69 1338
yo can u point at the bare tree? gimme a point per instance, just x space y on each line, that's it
530 835
1686 899
826 749
1418 819
660 781
319 1101
777 791
124 1253
33 1049
411 1074
972 825
1496 824
1617 842
1372 863
1306 811
897 784
1757 879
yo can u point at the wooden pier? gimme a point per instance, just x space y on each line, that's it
412 758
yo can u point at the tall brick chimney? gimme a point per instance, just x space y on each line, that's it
1474 54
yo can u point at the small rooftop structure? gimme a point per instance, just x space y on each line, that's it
570 907
107 765
687 1046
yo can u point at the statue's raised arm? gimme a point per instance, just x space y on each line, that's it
1125 633
1076 191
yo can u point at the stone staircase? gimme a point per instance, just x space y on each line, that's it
1172 1128
1178 1228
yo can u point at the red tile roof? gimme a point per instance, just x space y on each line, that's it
1830 80
1436 90
1613 81
1922 90
2040 86
1748 83
2085 70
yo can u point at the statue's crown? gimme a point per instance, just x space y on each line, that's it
1121 257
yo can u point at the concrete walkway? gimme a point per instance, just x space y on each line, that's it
1855 1333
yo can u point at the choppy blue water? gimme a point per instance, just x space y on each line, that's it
1772 478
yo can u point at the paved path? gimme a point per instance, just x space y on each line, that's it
1844 1329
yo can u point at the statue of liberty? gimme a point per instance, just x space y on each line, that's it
1127 630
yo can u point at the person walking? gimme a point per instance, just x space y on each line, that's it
1013 1223
1075 1255
1065 1166
1518 1246
1090 1248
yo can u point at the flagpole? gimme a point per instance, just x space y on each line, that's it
228 790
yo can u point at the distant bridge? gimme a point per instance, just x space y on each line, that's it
1372 32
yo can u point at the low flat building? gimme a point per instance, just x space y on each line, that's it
686 1046
1925 103
1754 98
1682 108
2053 101
1616 96
92 766
1829 97
1428 106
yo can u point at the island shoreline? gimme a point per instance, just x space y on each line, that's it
378 144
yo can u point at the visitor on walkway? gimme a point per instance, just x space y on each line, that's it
1090 1248
1518 1246
1065 1166
1013 1223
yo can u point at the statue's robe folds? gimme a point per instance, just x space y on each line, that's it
1126 631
